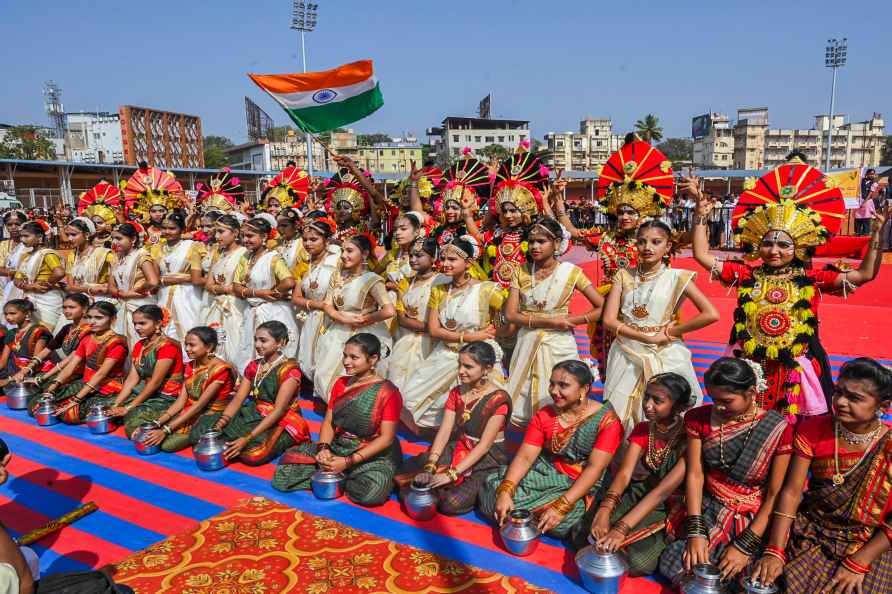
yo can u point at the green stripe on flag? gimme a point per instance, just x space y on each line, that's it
322 118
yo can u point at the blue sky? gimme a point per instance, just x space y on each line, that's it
549 62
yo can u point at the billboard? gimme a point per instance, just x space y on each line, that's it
700 126
260 125
485 107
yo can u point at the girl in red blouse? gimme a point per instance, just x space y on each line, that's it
156 371
207 389
737 455
560 467
358 434
477 411
641 502
840 528
99 358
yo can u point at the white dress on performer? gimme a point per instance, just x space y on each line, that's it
263 275
128 275
183 301
47 305
362 294
315 285
647 306
412 348
226 313
538 350
11 255
470 309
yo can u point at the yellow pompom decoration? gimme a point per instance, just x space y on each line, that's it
745 291
491 251
793 409
749 308
797 350
807 293
739 327
749 346
771 351
524 246
796 389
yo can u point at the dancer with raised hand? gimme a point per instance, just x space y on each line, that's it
641 311
207 389
562 462
539 305
835 534
470 442
464 310
781 219
644 502
736 459
358 434
263 419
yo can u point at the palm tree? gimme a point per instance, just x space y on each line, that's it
649 128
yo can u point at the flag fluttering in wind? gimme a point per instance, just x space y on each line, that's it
322 101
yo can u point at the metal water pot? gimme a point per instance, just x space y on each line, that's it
601 572
98 419
519 534
327 485
44 412
140 434
757 587
420 501
17 395
706 580
209 451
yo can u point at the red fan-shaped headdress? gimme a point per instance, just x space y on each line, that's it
290 187
520 181
148 187
100 201
222 192
637 175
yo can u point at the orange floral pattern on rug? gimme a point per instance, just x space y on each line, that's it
263 547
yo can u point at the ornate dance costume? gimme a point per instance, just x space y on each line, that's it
183 301
93 351
146 355
263 274
37 267
226 313
11 253
538 350
197 381
90 268
836 520
469 309
357 414
129 276
148 187
63 344
315 284
361 294
648 304
460 496
736 459
564 455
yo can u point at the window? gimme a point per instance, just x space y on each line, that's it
456 138
501 139
597 132
478 139
467 138
511 138
490 139
393 153
381 153
599 143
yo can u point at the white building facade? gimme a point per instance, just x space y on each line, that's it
94 137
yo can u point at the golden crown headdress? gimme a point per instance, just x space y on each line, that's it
795 198
290 187
637 175
344 187
148 187
520 181
222 192
100 201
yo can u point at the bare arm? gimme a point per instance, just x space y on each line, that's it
707 313
699 236
870 265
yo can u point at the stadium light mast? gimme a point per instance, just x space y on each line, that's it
303 19
834 58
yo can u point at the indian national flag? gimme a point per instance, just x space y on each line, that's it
322 101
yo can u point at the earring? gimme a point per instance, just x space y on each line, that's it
879 413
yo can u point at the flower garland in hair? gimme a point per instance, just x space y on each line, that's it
761 382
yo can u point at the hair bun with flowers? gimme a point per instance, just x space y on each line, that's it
475 245
761 382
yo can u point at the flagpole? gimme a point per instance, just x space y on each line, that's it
303 53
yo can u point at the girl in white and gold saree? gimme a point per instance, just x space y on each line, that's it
11 251
357 302
461 311
641 310
182 279
39 273
266 287
226 312
538 304
323 262
414 344
87 265
133 279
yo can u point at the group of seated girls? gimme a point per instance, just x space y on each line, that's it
724 483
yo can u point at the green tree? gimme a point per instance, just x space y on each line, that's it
494 150
370 139
26 142
215 151
678 150
649 128
886 156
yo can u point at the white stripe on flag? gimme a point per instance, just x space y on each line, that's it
319 97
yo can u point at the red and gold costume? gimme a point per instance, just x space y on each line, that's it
148 187
464 182
344 187
290 188
222 192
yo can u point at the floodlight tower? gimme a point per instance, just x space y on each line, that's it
52 102
834 58
303 19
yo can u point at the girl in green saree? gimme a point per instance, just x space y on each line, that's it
560 467
470 443
156 372
207 389
358 434
263 420
643 501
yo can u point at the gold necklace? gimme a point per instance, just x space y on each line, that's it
639 309
840 477
749 432
469 404
654 457
263 373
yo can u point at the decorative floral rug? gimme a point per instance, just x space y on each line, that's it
263 547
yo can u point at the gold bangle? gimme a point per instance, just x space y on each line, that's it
529 320
506 487
452 473
783 515
430 467
618 327
461 338
562 505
